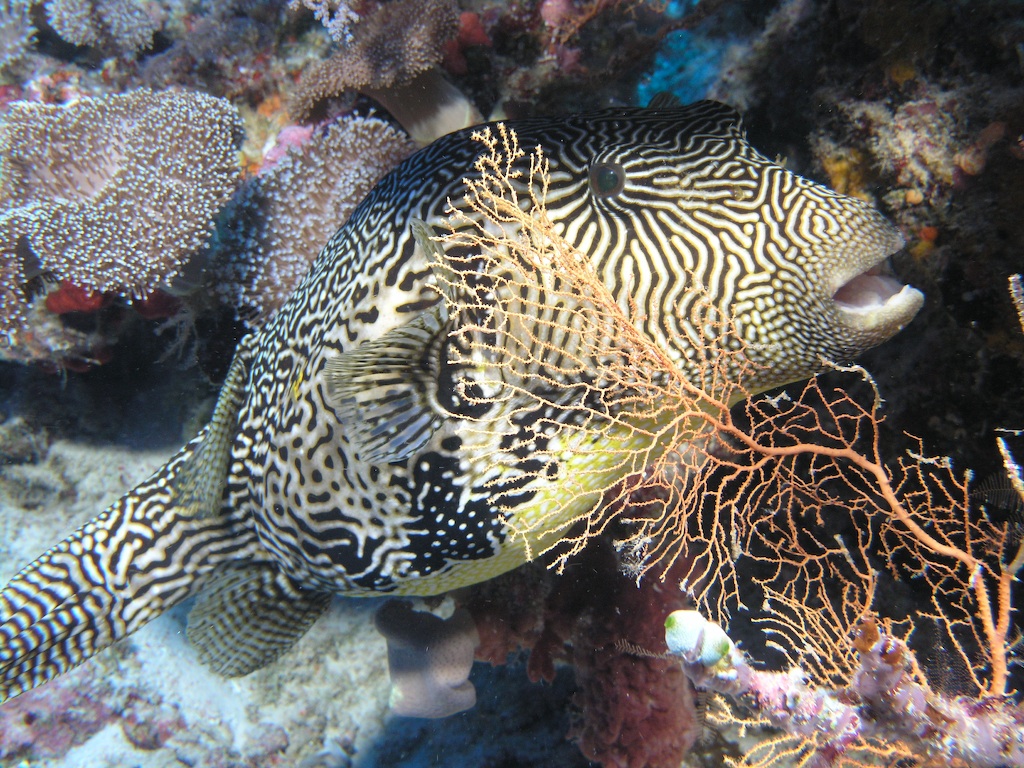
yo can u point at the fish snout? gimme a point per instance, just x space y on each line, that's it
877 305
870 302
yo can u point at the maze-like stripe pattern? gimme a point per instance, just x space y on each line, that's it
676 212
662 200
114 574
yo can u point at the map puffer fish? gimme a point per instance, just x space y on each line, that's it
340 458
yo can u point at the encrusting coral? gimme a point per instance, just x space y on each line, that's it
282 217
112 194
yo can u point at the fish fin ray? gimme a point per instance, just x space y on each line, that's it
664 100
383 391
199 484
246 617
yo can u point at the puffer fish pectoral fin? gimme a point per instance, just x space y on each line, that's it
123 568
246 617
382 390
200 482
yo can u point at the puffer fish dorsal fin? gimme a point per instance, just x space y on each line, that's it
664 100
246 617
199 484
382 390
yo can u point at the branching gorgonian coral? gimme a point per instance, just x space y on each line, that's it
741 499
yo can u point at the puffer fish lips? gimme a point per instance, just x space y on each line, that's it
873 301
866 303
828 294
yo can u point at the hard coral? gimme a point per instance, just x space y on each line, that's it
284 216
223 53
47 722
924 145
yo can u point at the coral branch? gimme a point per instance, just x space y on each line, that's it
884 701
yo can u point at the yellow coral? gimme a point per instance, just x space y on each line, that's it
848 172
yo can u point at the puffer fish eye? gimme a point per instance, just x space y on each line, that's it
607 179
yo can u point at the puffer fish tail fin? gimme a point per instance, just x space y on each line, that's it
247 616
126 566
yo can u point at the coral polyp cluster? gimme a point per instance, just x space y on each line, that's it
283 216
111 195
118 26
118 192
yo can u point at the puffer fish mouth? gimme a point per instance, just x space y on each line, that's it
875 300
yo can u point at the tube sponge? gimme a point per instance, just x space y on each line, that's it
429 659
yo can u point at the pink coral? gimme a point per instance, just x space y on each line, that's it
48 721
885 701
